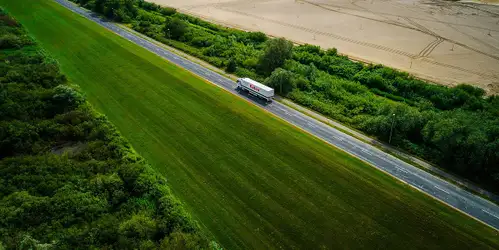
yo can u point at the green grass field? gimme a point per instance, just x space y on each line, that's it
250 179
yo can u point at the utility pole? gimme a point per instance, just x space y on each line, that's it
391 130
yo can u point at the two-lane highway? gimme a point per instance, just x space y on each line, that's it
446 192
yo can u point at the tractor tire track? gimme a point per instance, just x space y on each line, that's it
364 17
472 49
399 16
473 38
317 32
409 27
425 52
433 47
482 74
420 27
430 47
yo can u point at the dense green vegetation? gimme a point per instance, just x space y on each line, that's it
68 180
251 179
456 128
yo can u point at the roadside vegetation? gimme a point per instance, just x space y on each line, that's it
68 180
251 180
455 128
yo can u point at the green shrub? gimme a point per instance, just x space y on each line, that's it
276 52
282 81
166 11
257 37
175 28
10 41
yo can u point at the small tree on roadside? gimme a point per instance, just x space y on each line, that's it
282 81
277 51
174 28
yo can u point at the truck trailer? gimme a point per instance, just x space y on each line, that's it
256 88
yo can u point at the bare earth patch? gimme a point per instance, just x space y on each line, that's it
442 41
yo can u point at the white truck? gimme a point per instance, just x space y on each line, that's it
256 88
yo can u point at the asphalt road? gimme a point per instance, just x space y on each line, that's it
444 191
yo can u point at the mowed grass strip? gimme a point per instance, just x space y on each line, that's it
249 178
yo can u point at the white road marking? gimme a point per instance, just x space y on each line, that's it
401 169
490 213
366 151
437 187
337 138
311 125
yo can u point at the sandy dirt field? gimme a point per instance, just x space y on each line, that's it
441 41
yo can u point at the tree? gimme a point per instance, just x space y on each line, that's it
231 66
180 240
139 226
66 96
175 28
277 51
28 242
117 10
9 41
282 81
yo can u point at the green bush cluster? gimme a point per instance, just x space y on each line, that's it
456 128
68 180
117 10
463 139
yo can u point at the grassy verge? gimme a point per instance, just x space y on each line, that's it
251 179
179 53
